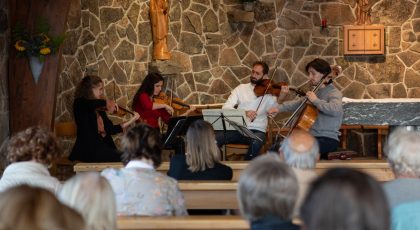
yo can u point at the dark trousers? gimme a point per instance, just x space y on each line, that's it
326 145
234 137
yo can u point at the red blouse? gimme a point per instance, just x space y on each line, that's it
144 108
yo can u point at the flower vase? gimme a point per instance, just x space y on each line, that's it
36 67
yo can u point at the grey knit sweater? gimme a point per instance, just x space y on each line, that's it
330 116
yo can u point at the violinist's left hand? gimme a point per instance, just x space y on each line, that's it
311 96
111 106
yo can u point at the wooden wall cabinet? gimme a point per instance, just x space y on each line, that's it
364 39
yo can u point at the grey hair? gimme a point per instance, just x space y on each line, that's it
301 160
92 196
403 151
267 187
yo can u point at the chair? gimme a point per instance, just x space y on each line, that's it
235 151
63 131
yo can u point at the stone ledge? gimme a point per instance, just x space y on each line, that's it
240 15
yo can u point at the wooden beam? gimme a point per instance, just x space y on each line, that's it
30 103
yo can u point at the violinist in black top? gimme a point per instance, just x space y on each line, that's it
94 129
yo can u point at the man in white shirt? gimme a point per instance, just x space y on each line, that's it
243 97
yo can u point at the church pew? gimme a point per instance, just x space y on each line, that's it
182 222
379 169
209 194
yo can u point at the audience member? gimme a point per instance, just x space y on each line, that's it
139 188
30 152
403 151
300 151
24 207
345 199
267 192
91 195
202 158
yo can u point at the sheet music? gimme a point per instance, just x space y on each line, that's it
213 116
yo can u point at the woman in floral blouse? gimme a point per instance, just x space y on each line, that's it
138 187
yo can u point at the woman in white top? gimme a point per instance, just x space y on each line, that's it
139 188
30 152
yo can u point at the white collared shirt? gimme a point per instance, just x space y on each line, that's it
139 164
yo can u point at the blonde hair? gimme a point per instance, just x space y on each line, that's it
201 148
91 195
25 207
33 143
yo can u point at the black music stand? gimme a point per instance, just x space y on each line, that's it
179 126
228 119
244 131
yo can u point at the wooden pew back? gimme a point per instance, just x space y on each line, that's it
379 169
182 222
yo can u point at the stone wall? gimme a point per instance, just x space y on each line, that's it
4 110
213 54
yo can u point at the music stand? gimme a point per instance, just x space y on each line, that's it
216 118
244 131
179 126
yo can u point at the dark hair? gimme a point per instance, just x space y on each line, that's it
84 88
319 65
262 64
147 86
33 143
345 199
142 141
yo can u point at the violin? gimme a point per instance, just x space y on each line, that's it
266 86
175 103
119 111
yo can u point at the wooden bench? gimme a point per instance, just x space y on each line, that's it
377 168
209 194
182 222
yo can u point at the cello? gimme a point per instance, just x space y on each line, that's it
306 112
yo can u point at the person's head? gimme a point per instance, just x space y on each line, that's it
92 196
201 148
25 207
317 69
33 144
267 187
90 87
345 199
142 142
300 150
259 70
151 85
403 151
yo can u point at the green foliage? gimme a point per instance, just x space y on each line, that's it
38 43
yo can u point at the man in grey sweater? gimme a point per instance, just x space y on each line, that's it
327 100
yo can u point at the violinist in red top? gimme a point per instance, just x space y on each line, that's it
146 104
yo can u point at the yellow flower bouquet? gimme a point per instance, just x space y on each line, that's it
38 44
